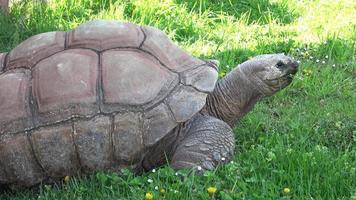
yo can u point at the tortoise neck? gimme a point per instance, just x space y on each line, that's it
233 97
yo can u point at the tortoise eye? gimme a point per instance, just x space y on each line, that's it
280 64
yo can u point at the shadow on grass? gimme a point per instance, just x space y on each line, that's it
256 11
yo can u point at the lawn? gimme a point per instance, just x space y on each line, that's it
298 144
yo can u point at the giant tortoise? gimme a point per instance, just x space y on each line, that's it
109 95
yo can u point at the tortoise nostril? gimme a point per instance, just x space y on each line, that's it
292 67
294 64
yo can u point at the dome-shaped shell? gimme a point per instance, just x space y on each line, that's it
93 98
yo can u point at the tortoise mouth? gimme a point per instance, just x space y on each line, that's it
289 74
293 68
281 82
289 77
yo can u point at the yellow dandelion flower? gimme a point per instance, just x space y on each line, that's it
149 196
222 74
162 191
286 190
211 190
307 72
66 178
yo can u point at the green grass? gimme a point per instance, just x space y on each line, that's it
303 138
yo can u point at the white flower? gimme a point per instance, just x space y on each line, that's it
153 170
232 162
298 61
311 57
199 168
326 57
317 60
222 159
156 187
176 173
150 180
323 62
334 65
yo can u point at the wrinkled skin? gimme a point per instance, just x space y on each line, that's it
207 139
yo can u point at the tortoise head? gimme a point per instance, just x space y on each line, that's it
270 73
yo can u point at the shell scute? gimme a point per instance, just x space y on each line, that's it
72 75
93 140
14 106
127 138
132 78
34 49
105 34
55 150
158 122
18 163
185 102
202 78
173 57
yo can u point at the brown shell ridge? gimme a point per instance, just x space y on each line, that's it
144 37
34 155
3 172
5 69
108 49
207 64
30 64
196 89
3 64
33 64
136 48
66 38
163 98
160 62
188 70
123 48
72 118
75 147
112 146
165 66
143 42
32 103
169 108
99 84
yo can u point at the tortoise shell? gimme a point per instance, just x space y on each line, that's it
93 98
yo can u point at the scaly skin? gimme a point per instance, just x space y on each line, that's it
207 139
203 141
232 98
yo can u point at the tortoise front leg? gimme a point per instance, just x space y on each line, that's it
207 141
